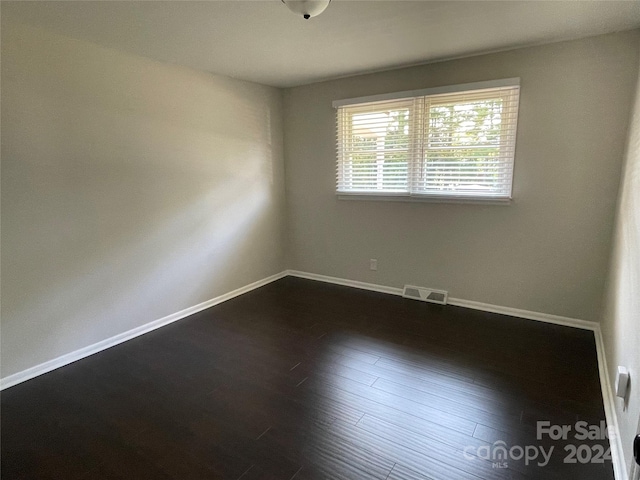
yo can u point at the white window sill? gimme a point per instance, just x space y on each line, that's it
391 197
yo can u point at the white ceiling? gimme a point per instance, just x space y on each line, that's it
262 41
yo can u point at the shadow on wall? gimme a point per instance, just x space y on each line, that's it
131 190
179 261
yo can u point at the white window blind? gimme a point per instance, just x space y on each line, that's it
458 143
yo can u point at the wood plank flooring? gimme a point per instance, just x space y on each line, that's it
301 380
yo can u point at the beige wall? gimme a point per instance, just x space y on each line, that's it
621 320
546 252
131 190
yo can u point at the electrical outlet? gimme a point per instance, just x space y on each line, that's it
373 264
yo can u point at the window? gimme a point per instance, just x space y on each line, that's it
453 142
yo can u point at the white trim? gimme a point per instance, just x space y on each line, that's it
527 314
71 357
615 442
390 197
347 283
459 302
505 82
617 455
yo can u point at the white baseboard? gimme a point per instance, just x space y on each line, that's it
615 442
347 283
528 314
68 358
617 456
458 302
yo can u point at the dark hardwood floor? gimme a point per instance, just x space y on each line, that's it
304 380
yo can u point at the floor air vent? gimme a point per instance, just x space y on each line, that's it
425 294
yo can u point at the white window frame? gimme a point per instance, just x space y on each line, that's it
423 96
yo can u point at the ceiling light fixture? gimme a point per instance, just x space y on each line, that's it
307 8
